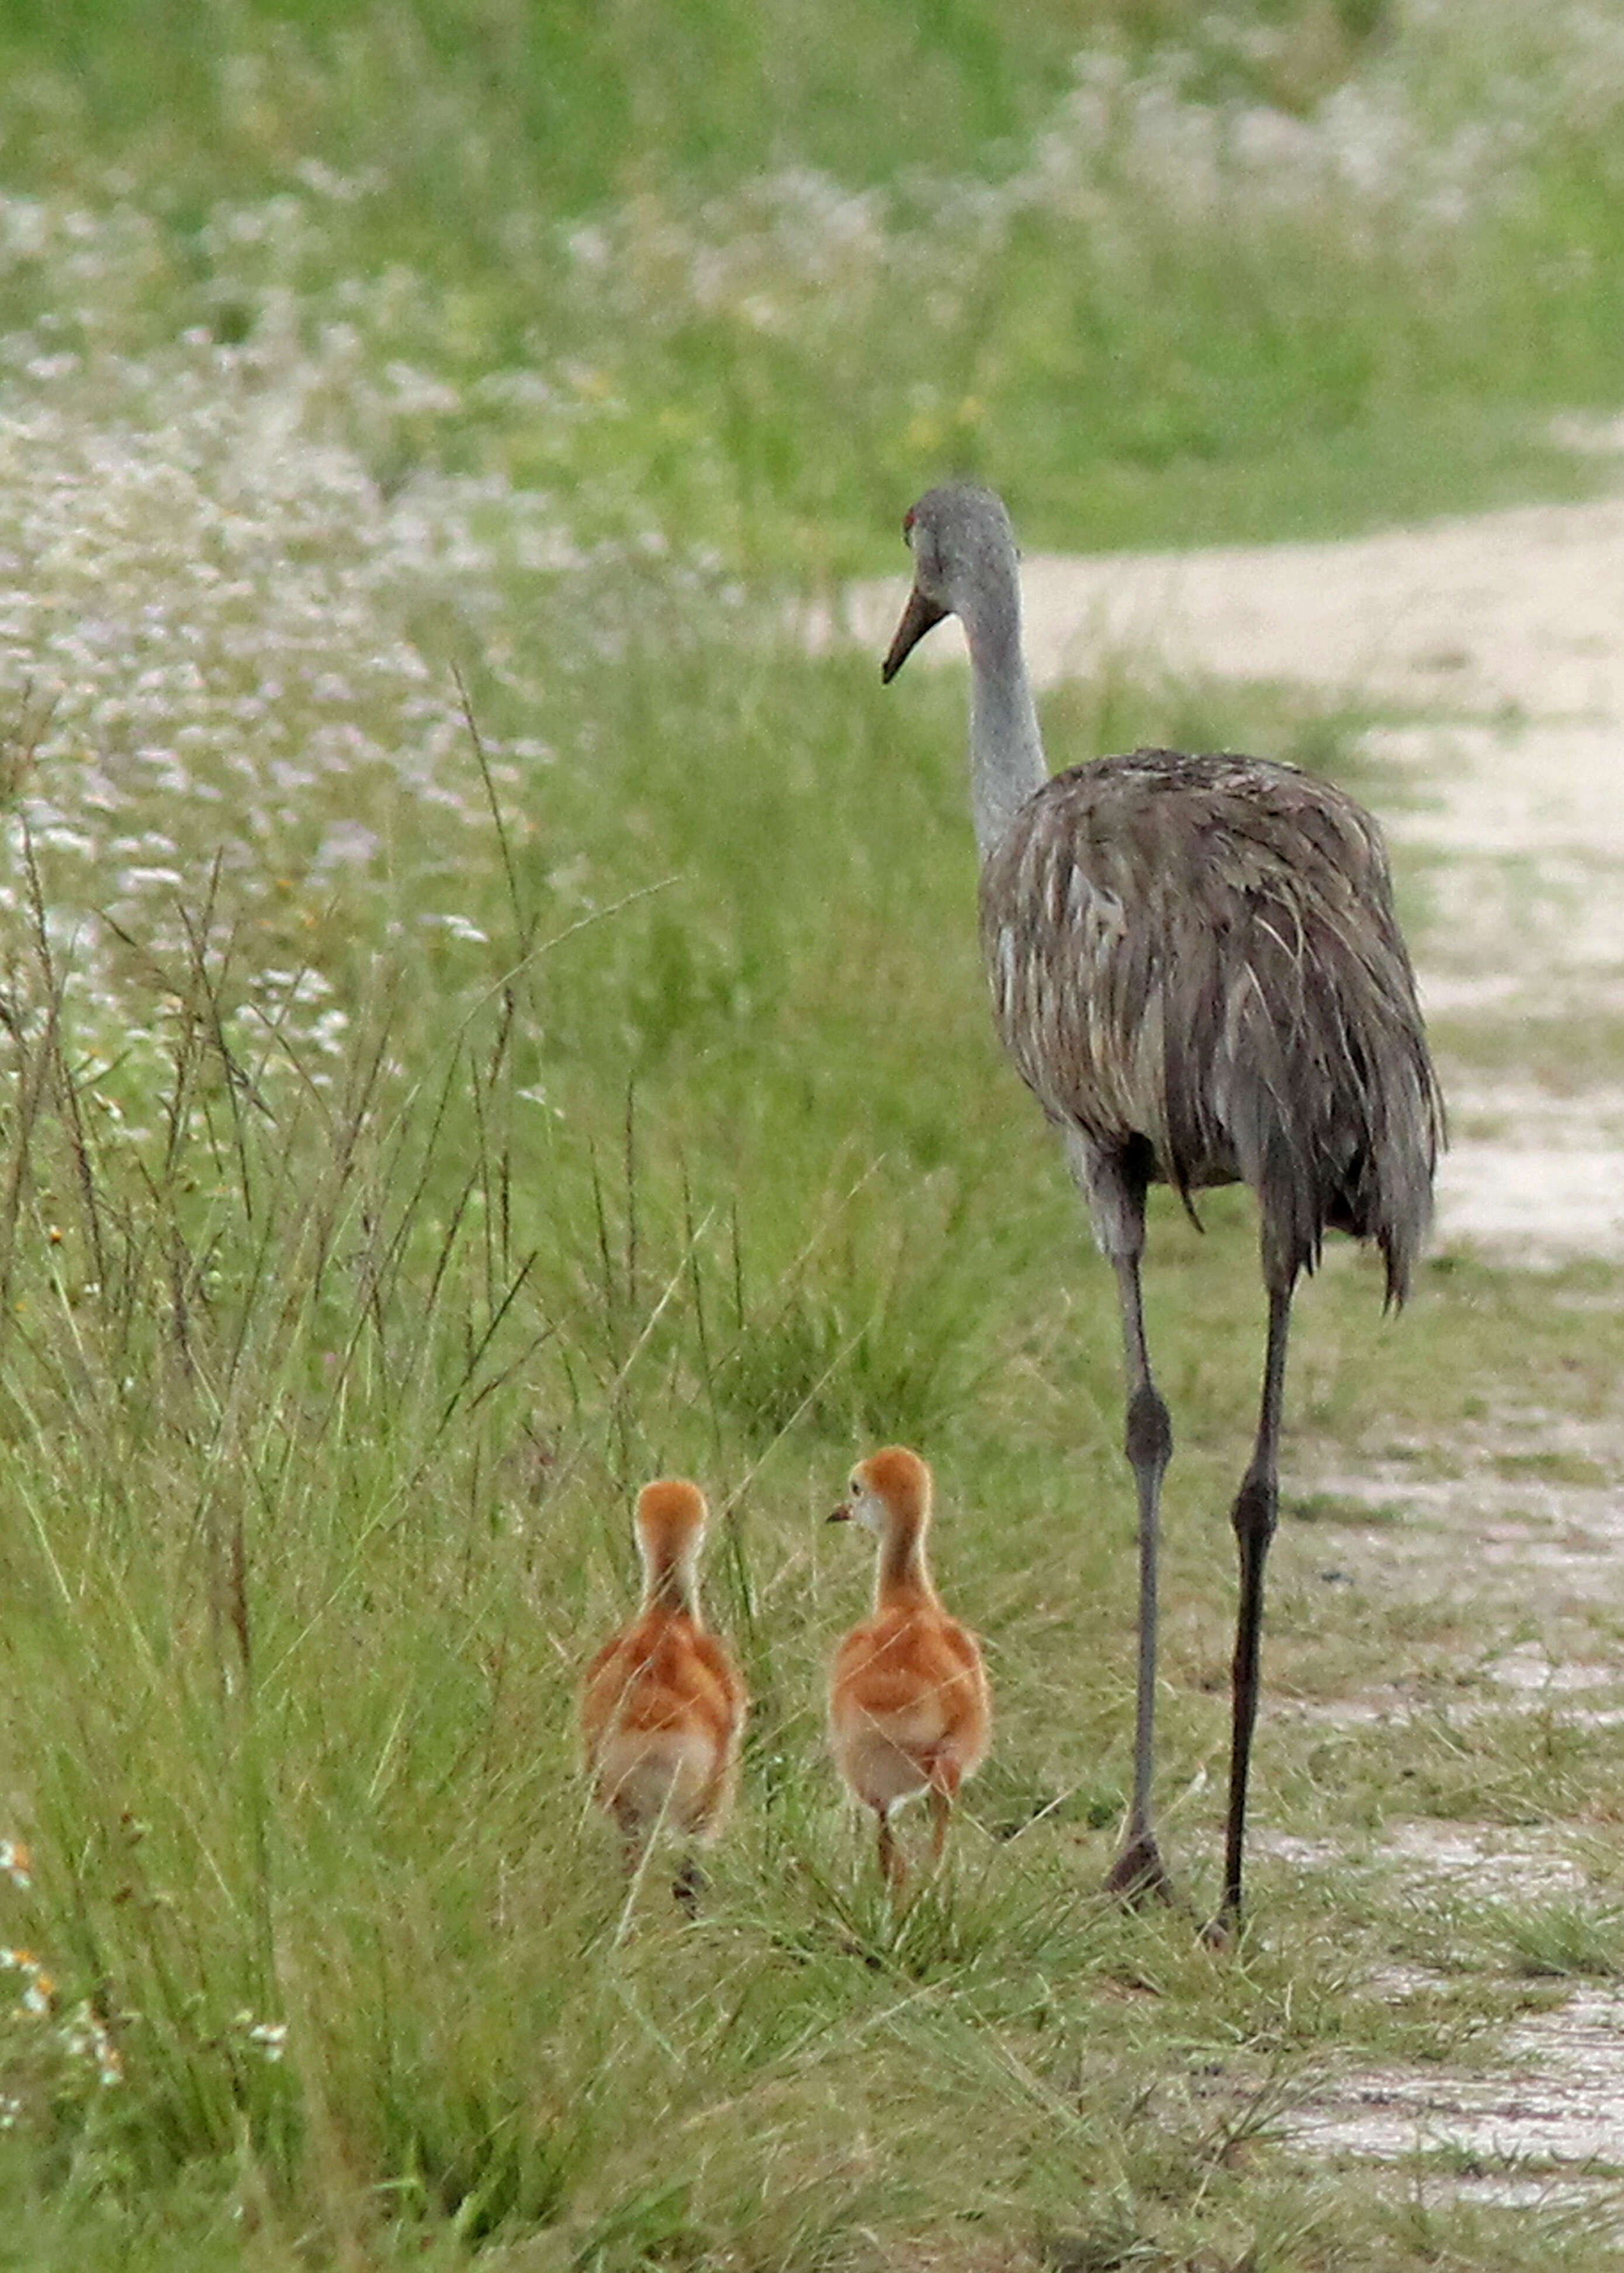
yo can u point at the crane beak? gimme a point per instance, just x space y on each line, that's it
917 618
843 1513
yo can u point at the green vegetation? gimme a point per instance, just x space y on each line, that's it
1242 271
487 1018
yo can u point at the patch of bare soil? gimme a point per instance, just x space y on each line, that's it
1531 1495
1549 2126
1540 2124
1507 633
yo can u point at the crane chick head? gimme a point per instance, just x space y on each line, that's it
671 1521
963 546
889 1488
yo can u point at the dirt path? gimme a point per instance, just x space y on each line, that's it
1505 634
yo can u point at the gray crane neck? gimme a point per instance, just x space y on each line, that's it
1006 747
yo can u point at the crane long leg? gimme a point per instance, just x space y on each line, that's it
891 1863
1139 1871
1253 1516
941 1816
1114 1184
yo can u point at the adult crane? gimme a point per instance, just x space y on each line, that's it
1196 966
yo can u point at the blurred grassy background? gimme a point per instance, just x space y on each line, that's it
1164 273
487 1018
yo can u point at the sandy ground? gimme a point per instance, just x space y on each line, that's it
1503 633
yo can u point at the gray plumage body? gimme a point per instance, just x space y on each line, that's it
1196 957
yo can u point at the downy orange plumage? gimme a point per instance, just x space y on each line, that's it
909 1706
662 1704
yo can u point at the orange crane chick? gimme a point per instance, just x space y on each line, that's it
662 1704
909 1706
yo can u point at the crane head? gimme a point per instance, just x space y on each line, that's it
959 535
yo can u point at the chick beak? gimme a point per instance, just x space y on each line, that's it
843 1513
917 618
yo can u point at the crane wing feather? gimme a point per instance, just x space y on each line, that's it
1200 954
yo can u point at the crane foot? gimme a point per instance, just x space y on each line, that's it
1222 1932
1138 1874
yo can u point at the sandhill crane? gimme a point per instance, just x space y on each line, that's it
662 1704
1196 967
909 1708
